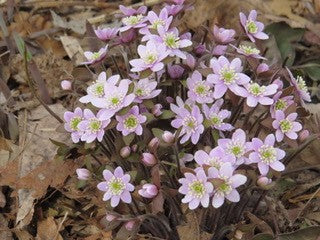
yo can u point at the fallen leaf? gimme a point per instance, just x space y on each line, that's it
309 233
78 26
48 230
73 49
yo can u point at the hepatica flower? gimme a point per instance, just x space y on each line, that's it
236 147
258 94
72 123
225 184
199 90
196 189
191 123
151 56
266 155
96 89
216 158
145 89
131 11
174 9
226 76
249 51
222 35
115 98
286 126
116 186
280 103
95 57
131 122
173 42
300 86
105 34
215 116
252 27
133 22
93 126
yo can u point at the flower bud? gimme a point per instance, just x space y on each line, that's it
125 152
304 134
83 174
175 71
169 99
148 159
66 85
200 49
134 148
263 181
238 235
129 225
154 144
190 61
168 137
148 191
219 50
156 110
262 68
110 217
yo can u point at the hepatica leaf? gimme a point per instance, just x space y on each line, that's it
309 233
285 36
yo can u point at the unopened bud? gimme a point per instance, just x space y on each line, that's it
156 110
148 159
148 191
168 137
125 152
262 68
303 135
129 225
154 144
83 174
134 148
263 181
66 85
110 217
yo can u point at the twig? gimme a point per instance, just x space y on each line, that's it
34 91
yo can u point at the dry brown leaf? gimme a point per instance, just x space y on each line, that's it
73 49
48 230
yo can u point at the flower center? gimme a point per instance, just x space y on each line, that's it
249 50
215 120
285 125
132 20
131 122
268 154
97 89
197 189
251 27
116 186
214 162
114 101
171 40
256 90
201 89
95 55
150 57
236 149
225 188
157 23
281 105
302 84
74 122
228 75
142 91
190 122
94 125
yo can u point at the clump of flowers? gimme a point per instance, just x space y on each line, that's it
183 118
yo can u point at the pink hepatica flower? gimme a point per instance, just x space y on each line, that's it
196 188
258 94
216 158
266 155
172 41
72 123
253 28
191 123
116 187
95 57
131 122
222 35
249 51
300 86
145 89
93 126
151 56
105 34
237 147
115 98
286 126
96 89
199 90
174 9
131 11
280 103
133 22
215 116
226 184
148 191
226 76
